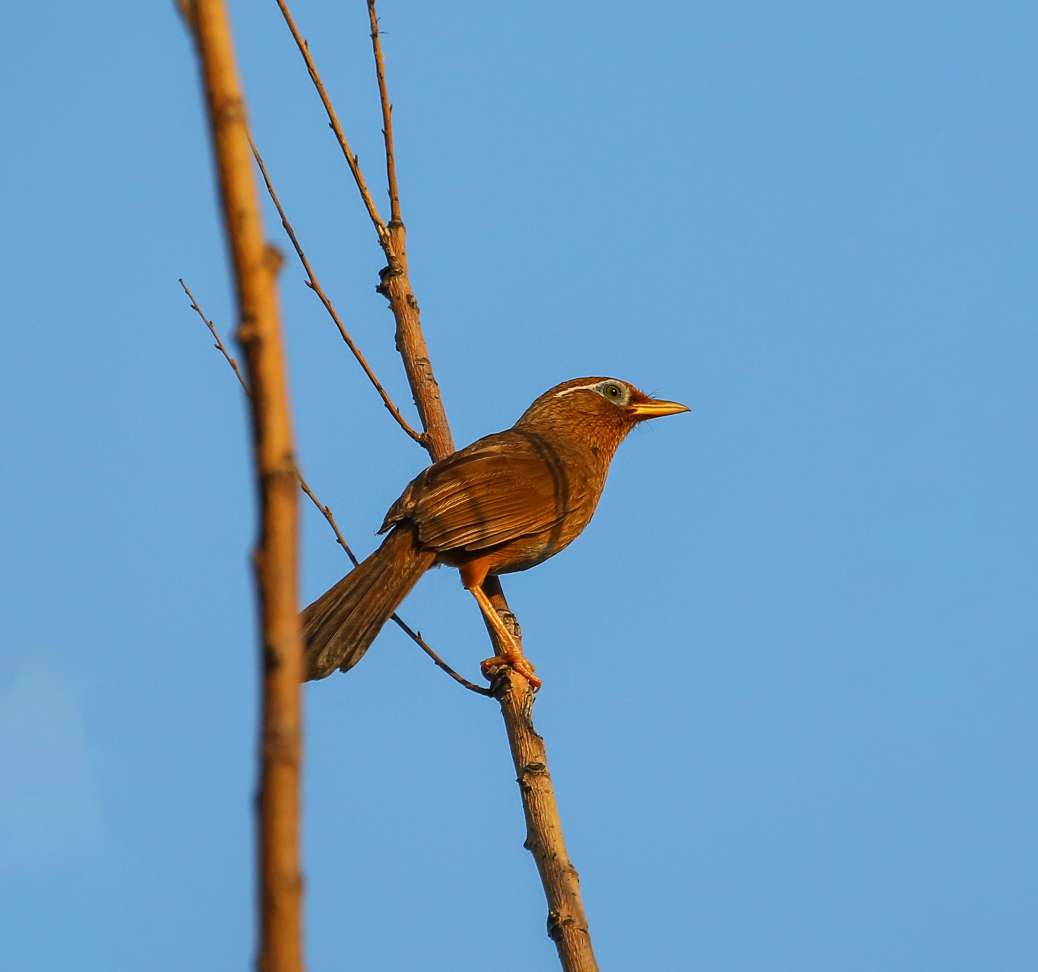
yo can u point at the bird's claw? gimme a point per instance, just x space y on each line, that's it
490 667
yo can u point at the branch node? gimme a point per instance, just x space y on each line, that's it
274 259
556 924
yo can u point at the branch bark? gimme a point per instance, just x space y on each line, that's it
567 922
255 268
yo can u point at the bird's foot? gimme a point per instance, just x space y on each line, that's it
515 660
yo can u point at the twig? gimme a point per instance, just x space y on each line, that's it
567 924
312 283
315 286
333 119
387 116
326 512
220 346
281 648
415 636
394 282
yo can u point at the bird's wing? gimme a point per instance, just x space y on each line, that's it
505 486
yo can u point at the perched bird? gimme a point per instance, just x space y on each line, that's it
505 503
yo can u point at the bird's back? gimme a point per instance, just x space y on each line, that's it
518 493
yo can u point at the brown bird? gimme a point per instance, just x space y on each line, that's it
505 503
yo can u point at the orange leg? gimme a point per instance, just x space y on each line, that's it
511 654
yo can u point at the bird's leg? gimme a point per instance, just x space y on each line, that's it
511 654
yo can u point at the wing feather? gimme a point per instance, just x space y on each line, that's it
498 489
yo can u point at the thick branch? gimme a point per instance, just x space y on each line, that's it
312 283
395 286
567 923
280 881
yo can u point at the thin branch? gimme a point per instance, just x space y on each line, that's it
312 283
416 637
276 555
326 512
220 346
333 119
387 116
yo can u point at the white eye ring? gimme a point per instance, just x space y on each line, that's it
613 391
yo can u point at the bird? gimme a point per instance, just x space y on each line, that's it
505 503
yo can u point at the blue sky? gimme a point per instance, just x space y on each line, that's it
789 669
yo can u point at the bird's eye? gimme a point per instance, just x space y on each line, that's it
613 391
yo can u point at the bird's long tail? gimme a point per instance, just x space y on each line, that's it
340 625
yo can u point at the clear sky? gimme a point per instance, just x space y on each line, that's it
790 669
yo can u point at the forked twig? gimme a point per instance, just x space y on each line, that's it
326 512
312 283
395 283
352 161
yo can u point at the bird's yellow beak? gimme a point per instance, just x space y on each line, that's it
656 408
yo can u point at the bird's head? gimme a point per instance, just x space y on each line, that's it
599 410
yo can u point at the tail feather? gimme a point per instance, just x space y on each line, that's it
341 624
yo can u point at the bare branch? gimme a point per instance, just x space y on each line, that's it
567 922
387 116
333 119
394 283
276 555
416 637
312 283
326 512
220 346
